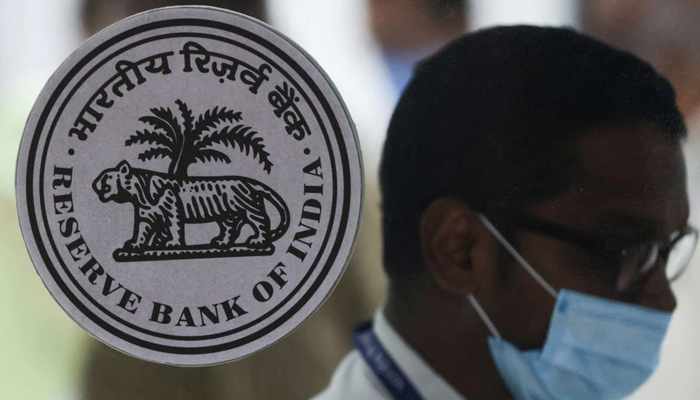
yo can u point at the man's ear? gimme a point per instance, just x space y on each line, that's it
449 230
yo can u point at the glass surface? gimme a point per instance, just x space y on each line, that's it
368 51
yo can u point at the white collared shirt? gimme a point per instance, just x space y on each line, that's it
353 379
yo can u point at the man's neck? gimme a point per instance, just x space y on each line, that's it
440 328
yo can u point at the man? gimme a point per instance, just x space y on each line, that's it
535 211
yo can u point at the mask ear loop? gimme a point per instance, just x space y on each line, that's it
518 257
483 316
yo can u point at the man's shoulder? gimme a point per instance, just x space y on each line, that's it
353 380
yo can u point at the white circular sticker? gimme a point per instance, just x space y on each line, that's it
189 186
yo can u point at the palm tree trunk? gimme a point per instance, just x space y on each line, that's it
179 166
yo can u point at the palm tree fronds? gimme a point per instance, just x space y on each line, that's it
240 136
206 155
161 124
212 117
215 137
155 152
166 114
155 122
151 137
188 118
186 141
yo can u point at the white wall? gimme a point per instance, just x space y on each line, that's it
510 12
35 36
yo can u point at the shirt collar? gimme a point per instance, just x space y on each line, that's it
428 382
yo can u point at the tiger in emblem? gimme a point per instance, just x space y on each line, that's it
163 205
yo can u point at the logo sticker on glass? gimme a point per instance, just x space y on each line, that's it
189 186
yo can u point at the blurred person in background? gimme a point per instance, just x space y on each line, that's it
99 14
408 30
535 213
663 32
666 33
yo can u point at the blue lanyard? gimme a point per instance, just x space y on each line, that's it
381 363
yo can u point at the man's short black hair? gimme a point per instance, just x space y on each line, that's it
489 120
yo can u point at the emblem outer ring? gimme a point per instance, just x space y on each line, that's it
193 352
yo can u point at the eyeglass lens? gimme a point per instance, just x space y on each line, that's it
680 255
640 259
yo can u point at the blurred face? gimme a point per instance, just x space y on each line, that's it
662 32
405 25
630 187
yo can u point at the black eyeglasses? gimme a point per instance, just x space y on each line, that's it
634 261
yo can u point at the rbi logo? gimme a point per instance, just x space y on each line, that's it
164 202
189 186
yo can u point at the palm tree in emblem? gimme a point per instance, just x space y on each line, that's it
186 140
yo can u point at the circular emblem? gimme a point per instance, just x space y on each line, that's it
189 186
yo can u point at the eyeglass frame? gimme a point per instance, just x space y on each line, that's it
596 245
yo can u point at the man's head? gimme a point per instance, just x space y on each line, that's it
541 122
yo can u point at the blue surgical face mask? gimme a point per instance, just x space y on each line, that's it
596 349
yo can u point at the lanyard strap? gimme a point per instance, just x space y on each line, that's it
382 365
